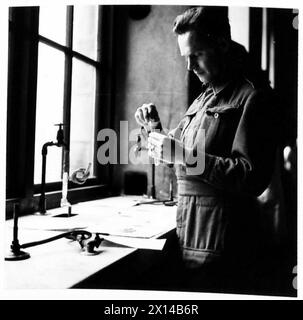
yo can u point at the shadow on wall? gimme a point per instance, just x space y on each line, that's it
148 68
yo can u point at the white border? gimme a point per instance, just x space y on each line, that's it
130 294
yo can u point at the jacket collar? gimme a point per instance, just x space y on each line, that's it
219 88
216 90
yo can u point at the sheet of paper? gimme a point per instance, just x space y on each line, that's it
115 216
153 244
113 202
141 222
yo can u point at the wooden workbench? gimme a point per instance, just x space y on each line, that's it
61 264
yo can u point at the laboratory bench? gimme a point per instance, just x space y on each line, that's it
129 257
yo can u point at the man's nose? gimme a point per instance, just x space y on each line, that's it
191 63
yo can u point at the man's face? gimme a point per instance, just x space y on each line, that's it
200 57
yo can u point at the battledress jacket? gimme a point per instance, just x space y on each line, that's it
217 215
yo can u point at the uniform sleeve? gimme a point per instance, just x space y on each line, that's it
250 164
176 132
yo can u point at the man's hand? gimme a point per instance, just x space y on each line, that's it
146 115
165 149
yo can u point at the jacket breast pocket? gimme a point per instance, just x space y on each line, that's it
222 123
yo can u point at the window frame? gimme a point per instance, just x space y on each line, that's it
24 38
69 54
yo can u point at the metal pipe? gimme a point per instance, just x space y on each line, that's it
153 185
65 166
42 201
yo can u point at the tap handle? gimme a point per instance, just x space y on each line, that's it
60 133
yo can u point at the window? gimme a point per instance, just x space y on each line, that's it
66 86
239 25
54 76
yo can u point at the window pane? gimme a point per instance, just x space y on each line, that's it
52 23
82 116
49 110
85 30
239 24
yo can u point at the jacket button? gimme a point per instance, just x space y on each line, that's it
216 115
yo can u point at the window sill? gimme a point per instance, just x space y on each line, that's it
53 198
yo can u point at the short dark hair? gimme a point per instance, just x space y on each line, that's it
208 22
